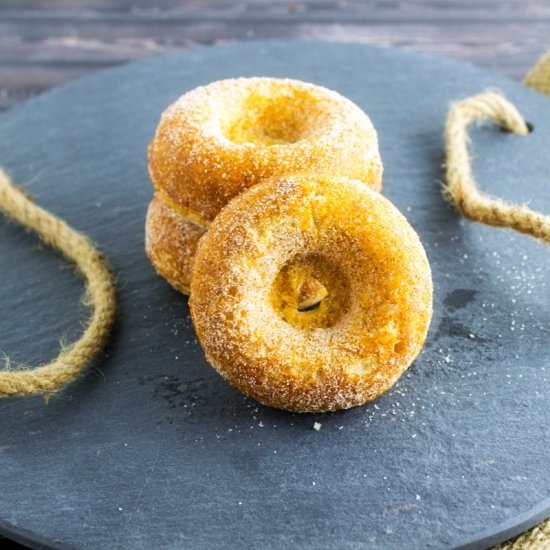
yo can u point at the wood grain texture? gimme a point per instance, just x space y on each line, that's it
46 43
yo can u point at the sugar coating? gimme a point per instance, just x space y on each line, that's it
381 300
170 243
217 140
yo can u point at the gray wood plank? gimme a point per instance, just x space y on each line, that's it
45 44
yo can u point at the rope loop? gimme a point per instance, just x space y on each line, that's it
461 188
100 294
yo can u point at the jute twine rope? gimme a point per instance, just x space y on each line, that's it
461 187
538 77
537 538
100 294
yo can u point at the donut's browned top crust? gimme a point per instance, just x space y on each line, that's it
217 140
248 270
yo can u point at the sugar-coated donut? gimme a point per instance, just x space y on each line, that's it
217 140
249 271
170 243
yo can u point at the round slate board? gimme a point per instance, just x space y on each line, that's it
152 447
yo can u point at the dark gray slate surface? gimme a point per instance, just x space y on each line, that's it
153 447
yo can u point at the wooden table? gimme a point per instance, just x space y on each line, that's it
45 43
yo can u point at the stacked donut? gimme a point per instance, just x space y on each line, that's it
218 140
309 290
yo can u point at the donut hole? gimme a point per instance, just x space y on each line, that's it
310 292
267 116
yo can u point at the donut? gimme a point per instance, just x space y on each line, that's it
170 243
217 140
338 235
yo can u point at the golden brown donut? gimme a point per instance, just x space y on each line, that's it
170 243
217 140
249 271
